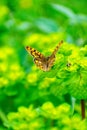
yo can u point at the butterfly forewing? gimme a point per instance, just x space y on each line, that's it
57 48
34 52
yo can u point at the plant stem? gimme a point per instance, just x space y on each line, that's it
83 108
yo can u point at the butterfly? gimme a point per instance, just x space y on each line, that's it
42 62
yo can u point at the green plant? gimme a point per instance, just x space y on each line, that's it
45 117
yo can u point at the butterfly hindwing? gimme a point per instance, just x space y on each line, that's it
39 63
51 61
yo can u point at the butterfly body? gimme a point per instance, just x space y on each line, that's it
42 62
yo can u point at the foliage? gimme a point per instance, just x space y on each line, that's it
47 117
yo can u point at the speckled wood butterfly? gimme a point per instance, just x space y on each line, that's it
42 62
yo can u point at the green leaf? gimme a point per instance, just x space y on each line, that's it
65 10
46 25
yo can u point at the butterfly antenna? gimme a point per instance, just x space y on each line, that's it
57 47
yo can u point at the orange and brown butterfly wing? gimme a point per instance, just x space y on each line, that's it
51 59
39 59
34 52
57 48
40 63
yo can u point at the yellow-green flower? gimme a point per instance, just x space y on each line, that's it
3 82
3 12
25 4
32 77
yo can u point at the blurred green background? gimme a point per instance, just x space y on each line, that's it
40 24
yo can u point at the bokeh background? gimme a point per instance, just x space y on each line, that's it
40 24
